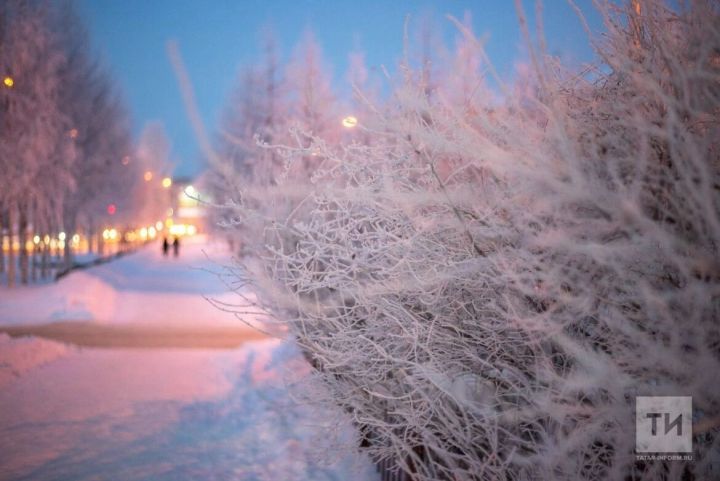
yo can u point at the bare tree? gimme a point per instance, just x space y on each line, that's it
64 131
100 134
36 150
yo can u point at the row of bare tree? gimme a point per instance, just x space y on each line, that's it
65 144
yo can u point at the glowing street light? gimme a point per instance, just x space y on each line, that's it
110 234
167 182
350 122
148 176
8 81
73 133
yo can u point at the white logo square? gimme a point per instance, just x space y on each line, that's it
663 424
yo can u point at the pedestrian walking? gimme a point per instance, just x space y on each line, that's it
165 246
176 246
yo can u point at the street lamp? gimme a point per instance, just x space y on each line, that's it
148 176
8 81
350 122
167 182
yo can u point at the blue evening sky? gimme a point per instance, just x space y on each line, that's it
217 37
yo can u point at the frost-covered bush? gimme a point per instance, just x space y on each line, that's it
486 290
271 105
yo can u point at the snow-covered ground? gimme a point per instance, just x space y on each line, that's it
166 415
143 287
73 413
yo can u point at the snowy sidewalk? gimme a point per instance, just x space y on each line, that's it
141 288
74 413
166 415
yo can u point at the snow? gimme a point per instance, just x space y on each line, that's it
143 287
166 414
21 355
74 413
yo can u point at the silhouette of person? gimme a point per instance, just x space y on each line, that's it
176 246
165 246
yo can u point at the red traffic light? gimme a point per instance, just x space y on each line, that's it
111 209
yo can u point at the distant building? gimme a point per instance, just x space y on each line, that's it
189 206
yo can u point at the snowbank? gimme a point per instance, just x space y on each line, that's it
144 287
18 356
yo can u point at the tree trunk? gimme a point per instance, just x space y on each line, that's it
55 257
44 261
34 263
91 236
67 250
11 252
101 245
67 255
22 236
2 241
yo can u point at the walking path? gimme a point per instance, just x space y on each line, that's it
206 397
90 334
141 288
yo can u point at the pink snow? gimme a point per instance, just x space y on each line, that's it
18 356
143 287
166 414
161 414
50 410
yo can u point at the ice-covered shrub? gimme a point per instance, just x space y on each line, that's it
486 290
